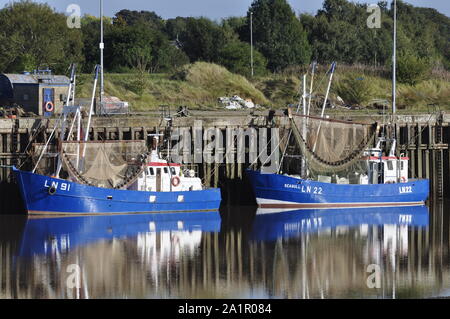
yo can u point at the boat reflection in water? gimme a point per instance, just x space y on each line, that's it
271 224
299 254
337 251
61 234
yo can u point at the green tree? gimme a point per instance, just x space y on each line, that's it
38 37
236 57
140 46
411 69
128 46
170 58
278 34
10 45
129 17
90 28
339 33
175 27
202 39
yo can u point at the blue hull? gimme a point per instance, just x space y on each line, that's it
74 198
279 191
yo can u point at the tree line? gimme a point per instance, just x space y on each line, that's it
33 36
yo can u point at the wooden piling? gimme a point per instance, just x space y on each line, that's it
421 140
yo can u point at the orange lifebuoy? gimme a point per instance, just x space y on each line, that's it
49 107
175 181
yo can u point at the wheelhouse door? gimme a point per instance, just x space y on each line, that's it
158 179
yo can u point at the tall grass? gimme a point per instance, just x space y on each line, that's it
199 86
355 89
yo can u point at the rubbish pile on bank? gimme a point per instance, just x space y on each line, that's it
236 102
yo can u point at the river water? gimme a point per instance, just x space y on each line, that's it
361 253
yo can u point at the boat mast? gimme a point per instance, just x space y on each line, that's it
394 93
333 67
91 109
304 128
394 84
91 112
311 87
102 46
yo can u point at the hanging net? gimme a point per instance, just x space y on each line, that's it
331 146
109 164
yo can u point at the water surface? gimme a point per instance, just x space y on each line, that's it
234 254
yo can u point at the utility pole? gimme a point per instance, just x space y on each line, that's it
394 62
102 46
251 41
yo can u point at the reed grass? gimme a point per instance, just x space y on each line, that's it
199 86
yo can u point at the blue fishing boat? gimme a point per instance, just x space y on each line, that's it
338 166
80 176
285 192
339 163
47 195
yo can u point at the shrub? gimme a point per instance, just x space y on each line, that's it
139 83
235 56
354 90
412 69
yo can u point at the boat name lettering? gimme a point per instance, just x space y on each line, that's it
306 189
58 185
405 189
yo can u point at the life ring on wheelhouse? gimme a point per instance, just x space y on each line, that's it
49 107
175 181
403 179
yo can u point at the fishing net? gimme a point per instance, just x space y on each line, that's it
331 146
110 164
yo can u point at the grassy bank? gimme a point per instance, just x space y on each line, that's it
199 86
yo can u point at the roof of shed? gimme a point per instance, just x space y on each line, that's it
34 79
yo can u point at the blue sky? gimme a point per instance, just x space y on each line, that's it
214 9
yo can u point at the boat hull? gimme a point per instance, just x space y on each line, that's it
284 192
46 195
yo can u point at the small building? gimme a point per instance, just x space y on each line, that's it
39 92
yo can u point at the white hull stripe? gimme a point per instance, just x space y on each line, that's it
267 203
45 213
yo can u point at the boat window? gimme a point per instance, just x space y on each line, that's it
390 166
402 165
172 171
152 171
166 170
